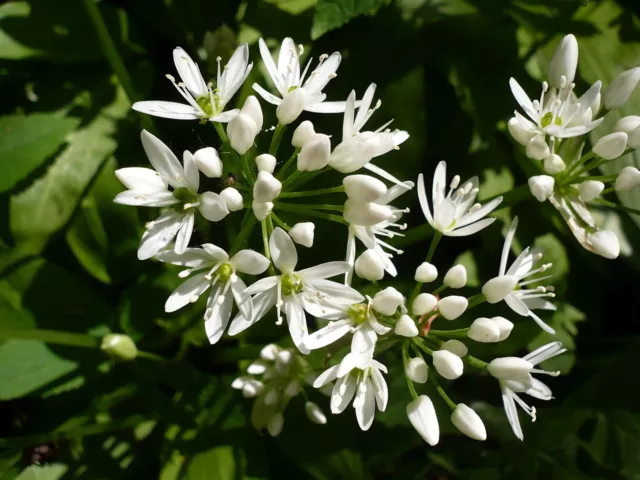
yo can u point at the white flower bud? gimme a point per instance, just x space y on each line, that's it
456 277
212 206
423 304
242 131
469 422
266 163
590 189
363 188
366 214
261 209
417 370
541 187
269 352
257 367
406 327
496 289
519 133
484 330
619 91
553 164
448 364
271 397
302 134
422 416
605 243
267 187
631 126
232 198
252 108
275 424
452 307
315 153
387 301
208 162
456 347
291 106
537 148
369 266
564 62
628 178
292 389
302 233
611 146
510 368
314 413
505 327
426 272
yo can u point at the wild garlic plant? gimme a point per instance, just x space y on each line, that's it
554 130
427 325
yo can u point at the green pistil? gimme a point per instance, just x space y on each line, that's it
225 271
548 118
291 88
291 284
204 102
184 196
358 312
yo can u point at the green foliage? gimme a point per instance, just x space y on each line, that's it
332 14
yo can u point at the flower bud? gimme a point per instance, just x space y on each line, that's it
387 301
541 187
275 424
631 126
261 209
621 88
505 327
292 389
269 352
469 422
510 368
605 243
417 370
241 130
252 108
484 330
611 146
212 206
315 153
553 164
422 416
302 134
266 163
267 187
291 106
232 198
448 364
456 347
426 272
119 347
564 62
590 189
365 214
363 188
257 367
302 233
456 277
314 413
369 266
452 307
537 148
519 133
628 178
406 327
496 289
423 304
208 162
252 388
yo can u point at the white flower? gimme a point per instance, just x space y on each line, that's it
314 154
267 187
387 301
455 215
605 243
232 198
361 376
298 92
150 188
590 189
553 164
203 102
315 413
426 272
628 179
422 416
456 277
302 134
484 330
358 148
208 162
406 327
611 146
631 126
221 275
369 266
456 347
621 88
261 209
564 62
302 233
423 304
469 422
245 126
448 364
295 291
529 385
541 186
266 162
508 285
452 307
417 370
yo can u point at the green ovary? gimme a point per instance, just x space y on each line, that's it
225 271
291 284
548 118
358 313
204 102
184 196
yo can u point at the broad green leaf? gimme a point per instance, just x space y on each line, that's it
331 14
49 203
50 471
218 463
553 252
12 315
26 141
294 7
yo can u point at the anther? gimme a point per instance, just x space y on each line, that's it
220 299
184 273
455 182
193 298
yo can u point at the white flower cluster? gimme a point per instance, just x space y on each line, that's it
358 326
554 132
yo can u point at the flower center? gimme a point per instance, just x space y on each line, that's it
184 195
548 118
204 102
225 271
358 312
291 284
292 88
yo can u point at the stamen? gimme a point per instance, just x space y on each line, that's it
185 273
193 298
455 182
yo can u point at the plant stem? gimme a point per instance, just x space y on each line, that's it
283 169
583 159
265 243
275 140
291 179
405 361
248 223
280 223
310 176
286 207
477 299
443 394
311 193
459 333
221 132
245 163
53 336
622 208
474 362
434 243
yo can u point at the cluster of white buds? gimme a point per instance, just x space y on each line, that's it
556 132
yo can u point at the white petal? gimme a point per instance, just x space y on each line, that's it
212 206
578 129
439 187
471 229
316 306
283 252
191 257
512 412
366 409
545 352
541 324
340 402
226 117
187 292
326 107
189 73
522 98
173 110
263 284
262 303
539 390
162 232
328 335
250 261
349 117
422 197
289 63
144 180
329 375
242 298
163 160
337 292
191 172
217 315
184 234
324 270
141 199
364 340
269 97
235 72
297 322
517 305
321 76
276 78
381 389
365 104
444 213
216 252
506 248
483 211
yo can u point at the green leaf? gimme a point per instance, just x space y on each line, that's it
218 463
26 141
49 203
11 313
50 471
331 14
553 252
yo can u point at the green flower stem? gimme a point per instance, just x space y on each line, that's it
275 140
475 362
283 169
311 193
476 300
53 336
247 167
438 290
318 206
221 132
432 249
602 178
622 208
265 243
419 342
291 179
310 176
286 207
248 222
434 379
280 223
459 333
405 361
582 160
